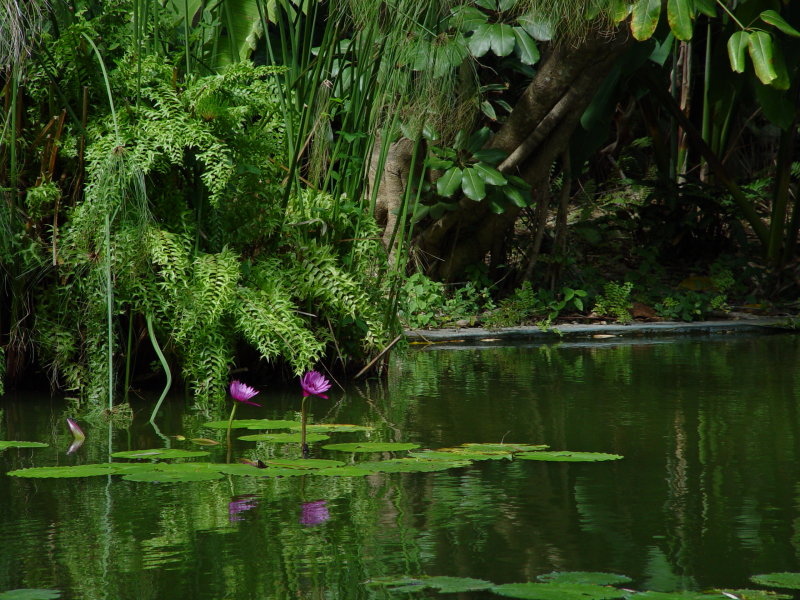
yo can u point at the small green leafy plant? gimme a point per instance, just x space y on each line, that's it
615 301
542 306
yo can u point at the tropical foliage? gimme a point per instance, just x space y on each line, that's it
202 182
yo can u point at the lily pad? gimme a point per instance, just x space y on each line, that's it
253 424
592 577
372 447
558 591
503 448
160 453
283 438
30 594
782 580
411 465
567 456
448 454
396 465
15 444
93 470
303 463
334 428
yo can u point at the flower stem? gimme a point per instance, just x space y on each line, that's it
303 445
228 437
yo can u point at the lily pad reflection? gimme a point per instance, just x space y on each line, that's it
15 444
782 580
30 594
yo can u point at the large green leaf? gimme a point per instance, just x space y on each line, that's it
619 10
526 48
467 18
558 591
449 182
516 196
492 156
680 14
480 41
776 20
706 7
645 18
501 38
473 185
737 44
759 46
539 29
489 174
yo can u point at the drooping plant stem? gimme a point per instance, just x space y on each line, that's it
164 365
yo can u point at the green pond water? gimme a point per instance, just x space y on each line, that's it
706 496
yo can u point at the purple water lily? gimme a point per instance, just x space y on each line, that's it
314 513
241 392
314 383
240 504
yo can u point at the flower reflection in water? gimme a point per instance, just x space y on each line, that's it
314 513
240 504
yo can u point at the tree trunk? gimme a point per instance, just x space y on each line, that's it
548 111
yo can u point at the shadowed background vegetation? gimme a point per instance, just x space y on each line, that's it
191 185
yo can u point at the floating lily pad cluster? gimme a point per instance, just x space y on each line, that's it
580 585
149 465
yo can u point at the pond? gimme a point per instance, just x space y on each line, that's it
705 496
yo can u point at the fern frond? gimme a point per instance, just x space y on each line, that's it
269 320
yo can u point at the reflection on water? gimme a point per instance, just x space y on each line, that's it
706 495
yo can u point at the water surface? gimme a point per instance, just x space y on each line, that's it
706 495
